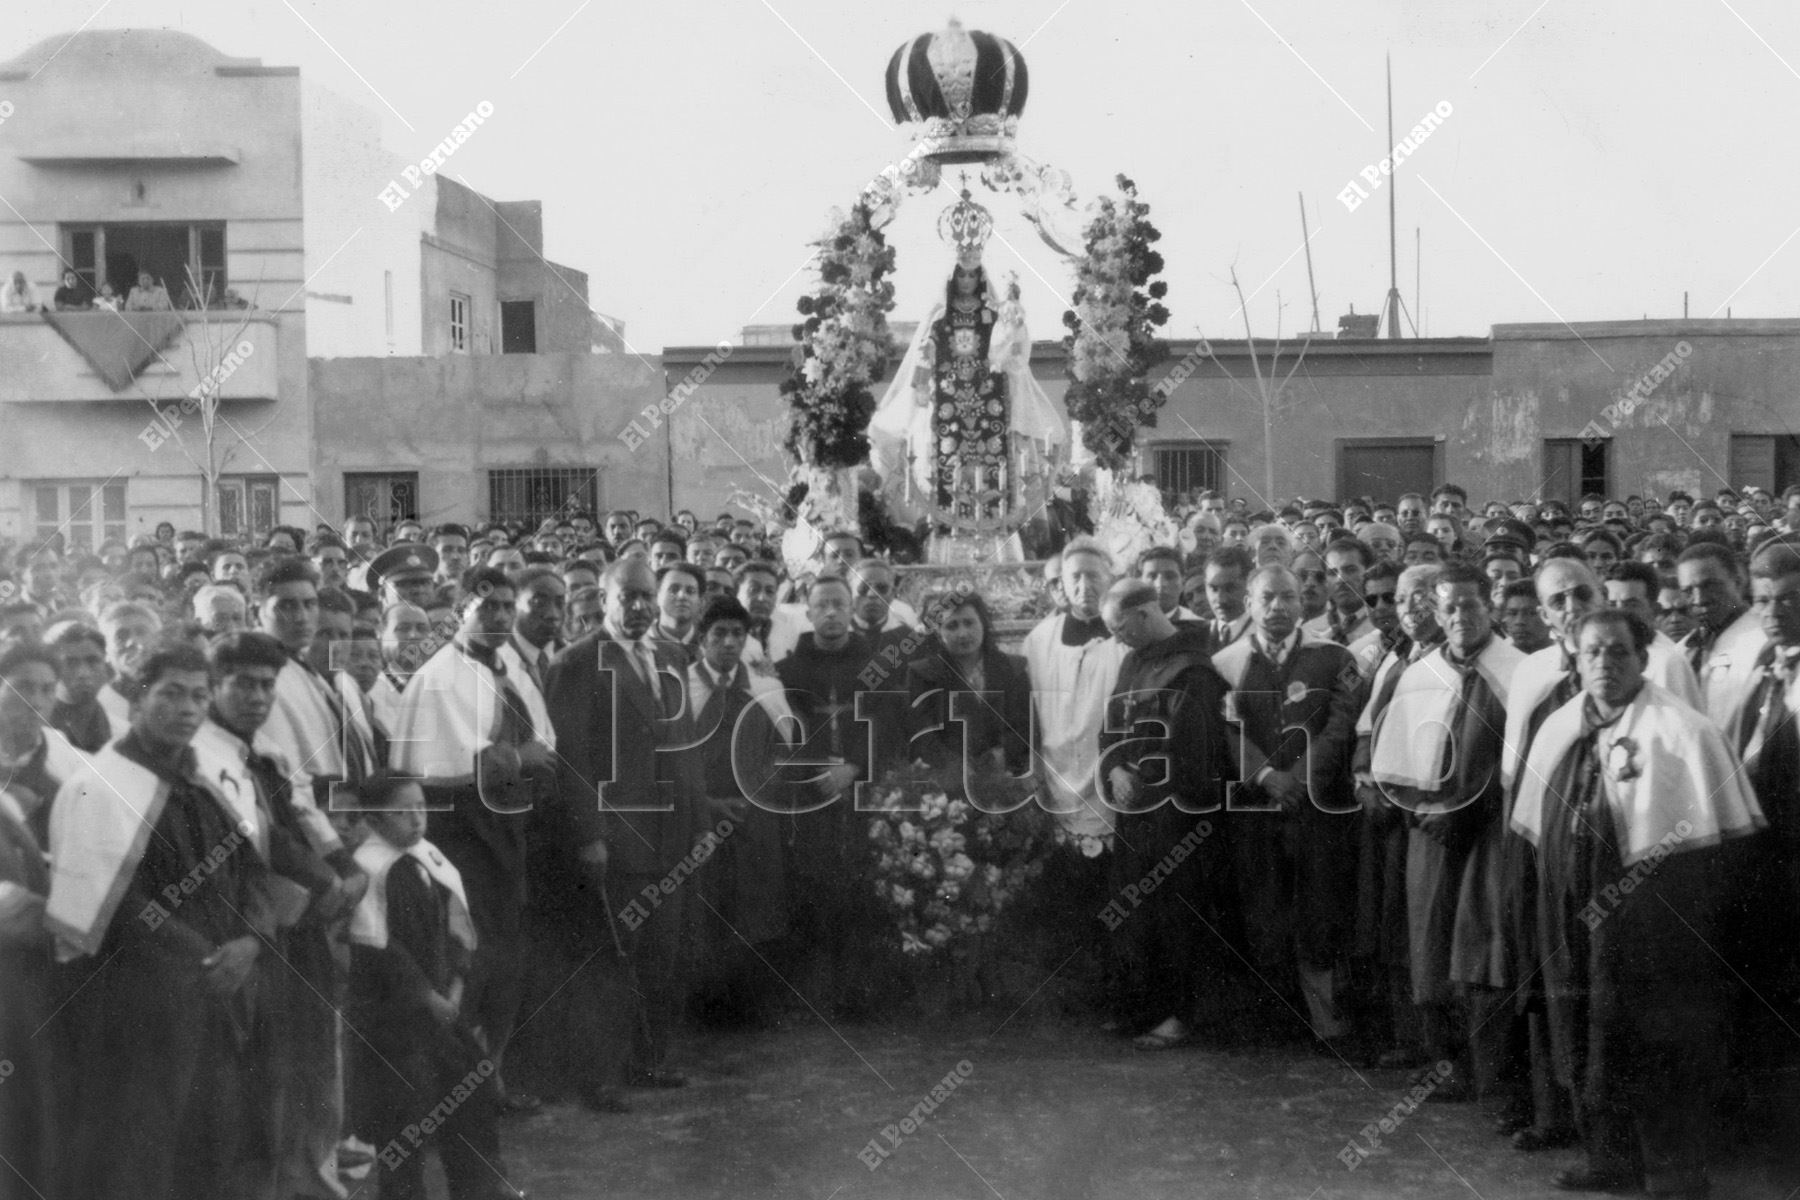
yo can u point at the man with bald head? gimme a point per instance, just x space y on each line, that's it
626 801
1295 700
1164 761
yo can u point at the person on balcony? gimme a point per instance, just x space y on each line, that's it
72 296
148 296
19 296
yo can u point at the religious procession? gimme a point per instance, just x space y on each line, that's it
1160 830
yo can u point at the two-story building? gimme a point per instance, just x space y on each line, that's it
347 328
132 154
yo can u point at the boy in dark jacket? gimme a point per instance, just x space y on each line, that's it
426 1078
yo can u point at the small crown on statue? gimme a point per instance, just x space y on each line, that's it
965 227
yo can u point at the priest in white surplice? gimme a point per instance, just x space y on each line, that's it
1073 663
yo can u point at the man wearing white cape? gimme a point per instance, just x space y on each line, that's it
157 884
1568 590
1636 806
1437 751
482 745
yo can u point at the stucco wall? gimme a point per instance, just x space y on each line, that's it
728 433
1739 377
1489 403
453 418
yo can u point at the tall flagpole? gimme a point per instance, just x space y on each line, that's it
1393 296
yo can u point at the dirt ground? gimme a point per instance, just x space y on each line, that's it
1042 1108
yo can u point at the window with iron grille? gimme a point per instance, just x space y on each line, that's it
527 495
249 505
385 497
1185 467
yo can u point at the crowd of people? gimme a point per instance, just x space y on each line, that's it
305 845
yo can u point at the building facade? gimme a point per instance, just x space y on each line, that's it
292 245
148 152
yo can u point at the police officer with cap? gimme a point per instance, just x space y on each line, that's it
404 572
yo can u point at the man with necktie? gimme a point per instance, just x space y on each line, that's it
327 759
1293 838
299 1030
742 896
1226 570
1437 755
624 813
1382 944
479 740
1767 739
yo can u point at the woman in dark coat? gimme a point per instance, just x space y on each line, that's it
993 725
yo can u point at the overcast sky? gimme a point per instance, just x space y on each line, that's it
1599 159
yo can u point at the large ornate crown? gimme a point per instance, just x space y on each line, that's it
965 227
965 89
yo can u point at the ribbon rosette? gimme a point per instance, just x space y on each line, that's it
1621 761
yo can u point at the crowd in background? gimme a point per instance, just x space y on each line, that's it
307 845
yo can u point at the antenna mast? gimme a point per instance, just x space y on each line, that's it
1306 240
1393 296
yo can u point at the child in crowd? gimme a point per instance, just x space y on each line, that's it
423 1076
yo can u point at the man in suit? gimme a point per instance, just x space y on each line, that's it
1227 569
1767 738
1294 844
624 815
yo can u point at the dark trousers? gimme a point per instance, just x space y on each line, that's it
1552 1108
497 907
1444 1029
428 1088
163 1087
1499 1049
652 942
1665 1137
301 1032
1660 1120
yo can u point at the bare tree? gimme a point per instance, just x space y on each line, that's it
1271 385
213 352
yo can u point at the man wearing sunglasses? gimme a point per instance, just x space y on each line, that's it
1380 617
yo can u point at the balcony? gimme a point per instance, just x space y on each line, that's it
88 356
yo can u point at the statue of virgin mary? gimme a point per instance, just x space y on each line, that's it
964 416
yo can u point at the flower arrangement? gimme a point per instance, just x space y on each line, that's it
844 345
944 868
1112 342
